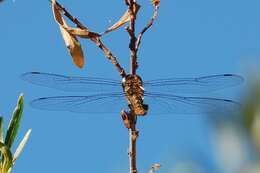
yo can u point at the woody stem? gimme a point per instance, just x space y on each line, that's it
133 134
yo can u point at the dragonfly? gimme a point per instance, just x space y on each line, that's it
159 96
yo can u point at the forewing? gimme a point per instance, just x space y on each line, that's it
193 85
172 104
102 103
69 83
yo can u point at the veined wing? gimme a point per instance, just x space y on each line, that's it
115 102
193 85
172 104
69 83
100 103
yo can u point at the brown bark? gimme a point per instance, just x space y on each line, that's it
133 135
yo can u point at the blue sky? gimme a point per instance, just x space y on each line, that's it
190 38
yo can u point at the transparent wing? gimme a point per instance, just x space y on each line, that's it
174 85
114 103
69 83
172 104
103 103
193 85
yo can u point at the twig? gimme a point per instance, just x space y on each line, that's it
133 135
109 56
131 32
96 40
149 24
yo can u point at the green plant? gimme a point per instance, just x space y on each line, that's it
8 159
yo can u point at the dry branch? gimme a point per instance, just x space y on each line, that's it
82 31
134 45
95 38
131 31
129 120
149 24
133 133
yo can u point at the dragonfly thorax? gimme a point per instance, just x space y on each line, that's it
134 92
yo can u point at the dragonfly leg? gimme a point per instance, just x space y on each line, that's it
126 119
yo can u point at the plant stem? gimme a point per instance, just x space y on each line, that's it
131 32
133 134
149 24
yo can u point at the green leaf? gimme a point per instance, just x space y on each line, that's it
14 123
1 129
21 145
7 159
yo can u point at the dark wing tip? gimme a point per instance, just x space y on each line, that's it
237 79
34 103
34 72
232 101
24 75
228 75
38 99
236 76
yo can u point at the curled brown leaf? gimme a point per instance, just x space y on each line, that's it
124 19
70 39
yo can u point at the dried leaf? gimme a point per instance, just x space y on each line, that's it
74 47
125 18
156 3
155 167
71 41
83 33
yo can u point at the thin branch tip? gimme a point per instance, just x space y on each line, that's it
149 24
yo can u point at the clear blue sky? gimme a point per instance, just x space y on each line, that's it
190 38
